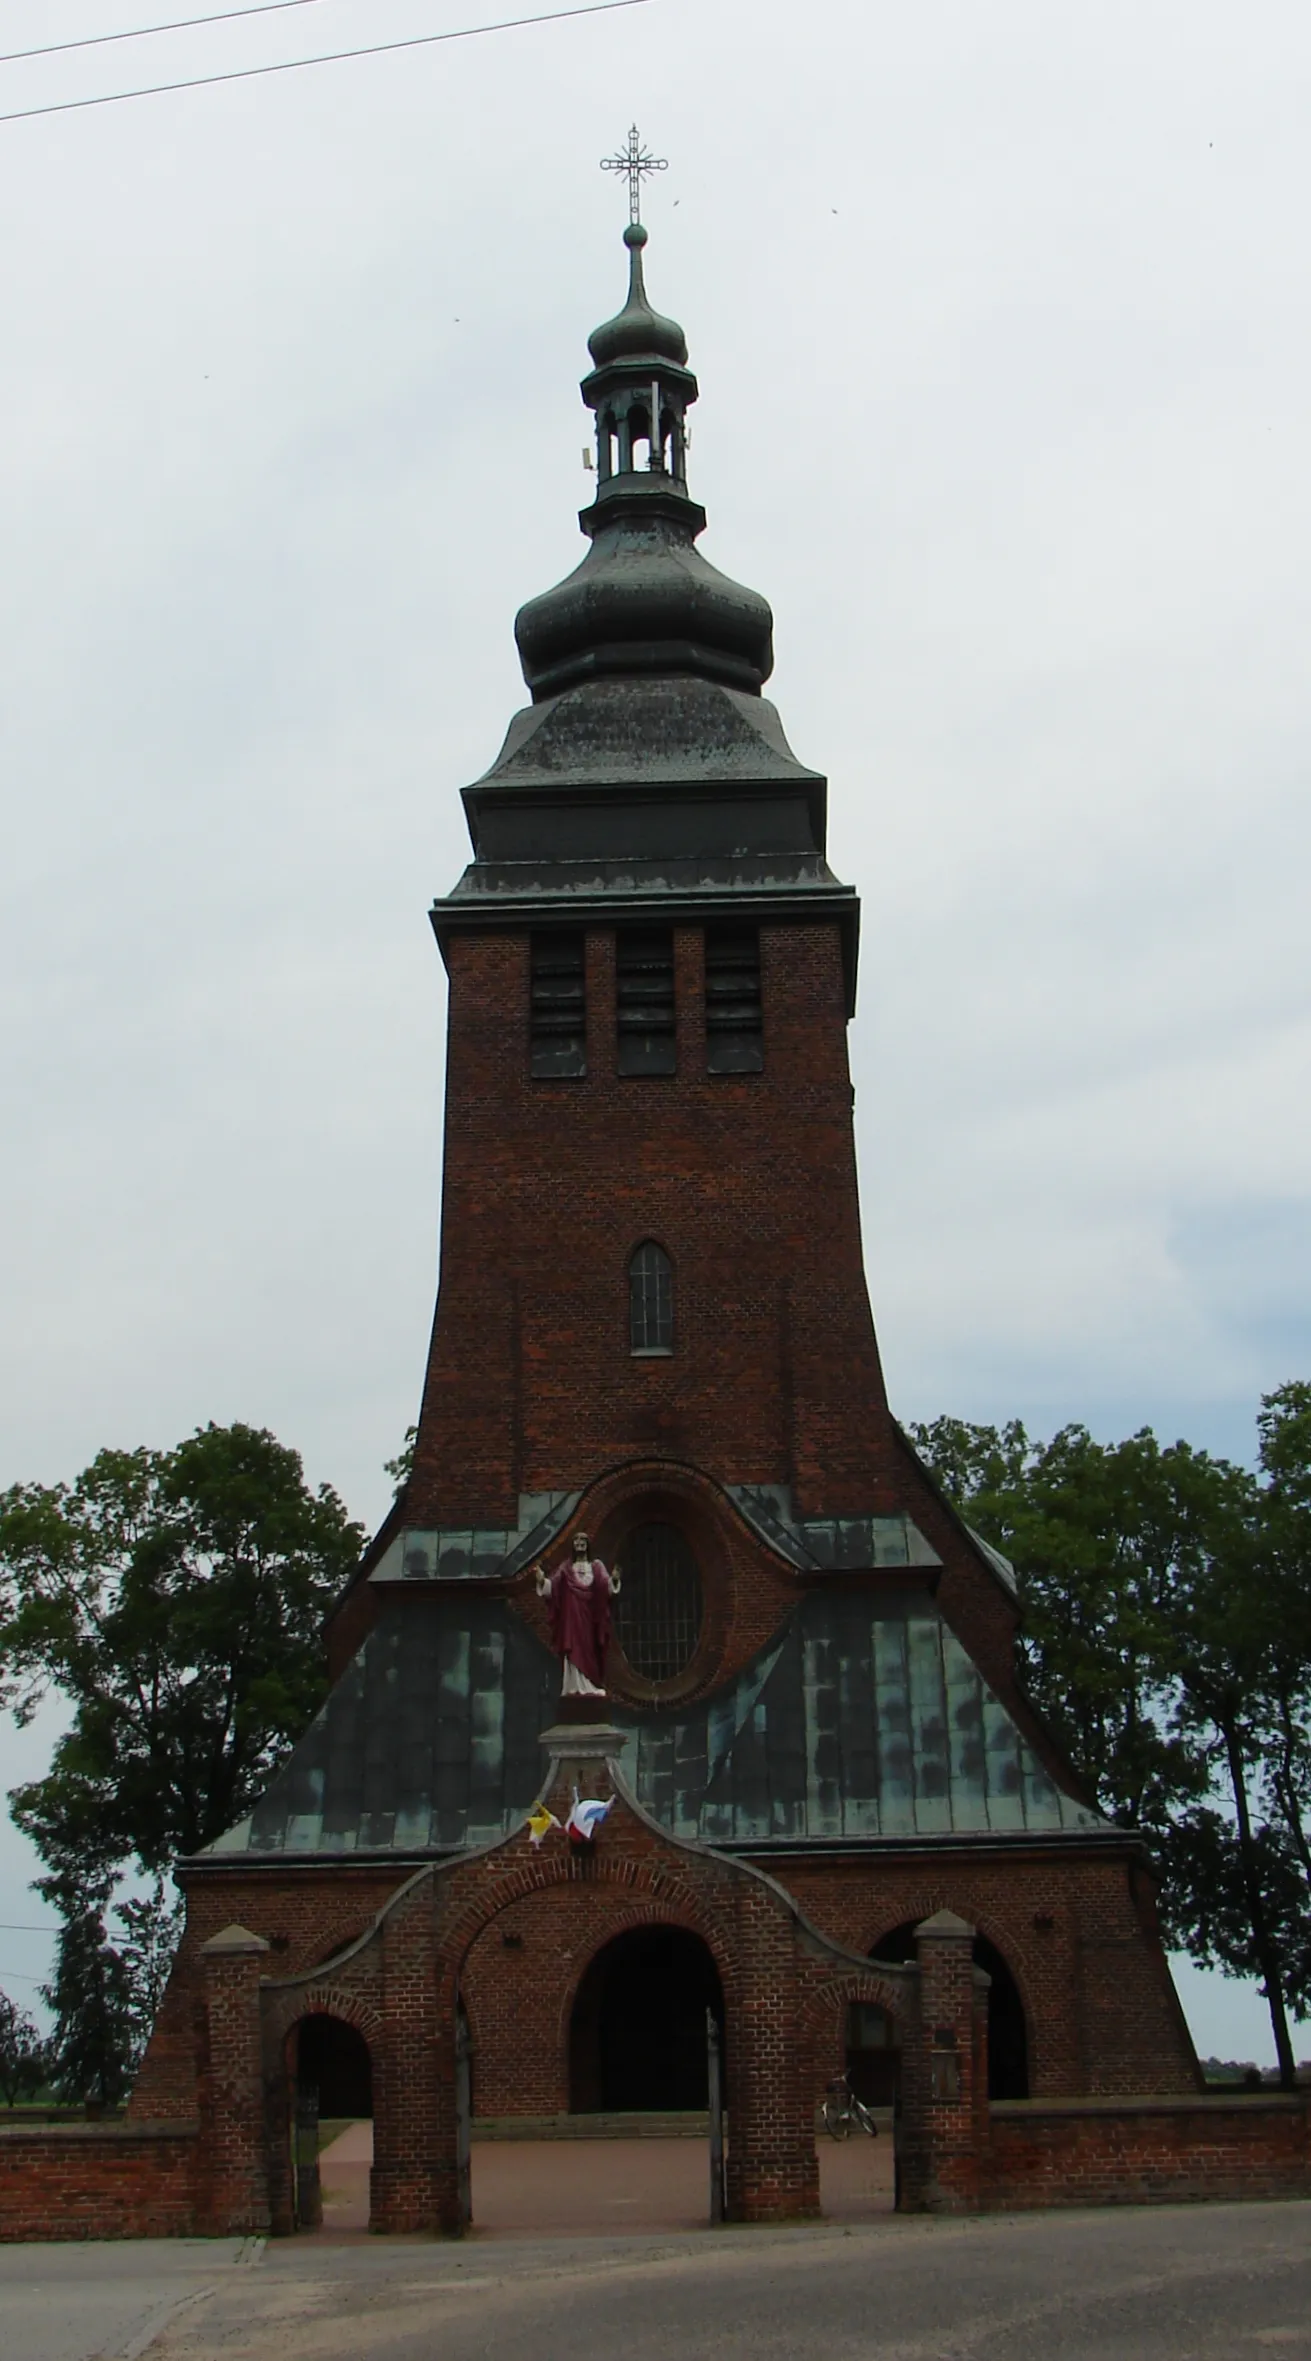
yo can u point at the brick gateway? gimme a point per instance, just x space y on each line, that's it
837 1820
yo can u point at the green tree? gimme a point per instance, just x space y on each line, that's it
1207 1906
1167 1638
401 1468
152 1929
90 1999
1284 1432
175 1598
23 2061
1093 1532
1227 1895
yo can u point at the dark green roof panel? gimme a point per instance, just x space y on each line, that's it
864 1721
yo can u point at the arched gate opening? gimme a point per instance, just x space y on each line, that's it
333 2059
637 2035
332 2085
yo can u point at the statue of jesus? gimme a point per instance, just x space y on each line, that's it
578 1596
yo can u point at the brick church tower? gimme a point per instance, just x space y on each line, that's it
653 1324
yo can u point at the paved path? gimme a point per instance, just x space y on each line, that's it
593 2188
1216 2283
69 2303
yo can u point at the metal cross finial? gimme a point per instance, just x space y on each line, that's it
636 161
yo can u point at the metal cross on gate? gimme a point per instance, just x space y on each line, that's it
636 161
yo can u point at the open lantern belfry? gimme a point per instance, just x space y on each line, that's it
664 1552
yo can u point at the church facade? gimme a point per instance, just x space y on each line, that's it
837 1838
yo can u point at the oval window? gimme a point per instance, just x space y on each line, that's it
658 1611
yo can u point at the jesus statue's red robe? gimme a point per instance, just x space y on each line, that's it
580 1618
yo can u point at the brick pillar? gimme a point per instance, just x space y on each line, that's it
690 997
943 2064
234 2134
773 2171
414 2185
602 1032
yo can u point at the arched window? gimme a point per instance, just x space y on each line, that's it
658 1610
650 1300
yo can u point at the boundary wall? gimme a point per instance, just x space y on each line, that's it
227 2170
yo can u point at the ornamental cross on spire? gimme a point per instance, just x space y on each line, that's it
636 161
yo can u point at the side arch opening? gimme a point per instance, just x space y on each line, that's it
1008 2032
331 2071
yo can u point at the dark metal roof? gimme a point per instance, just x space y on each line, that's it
606 733
497 1553
483 1553
643 600
428 1742
830 1544
864 1720
648 797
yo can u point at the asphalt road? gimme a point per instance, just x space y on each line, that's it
1168 2284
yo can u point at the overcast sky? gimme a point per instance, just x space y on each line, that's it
1001 320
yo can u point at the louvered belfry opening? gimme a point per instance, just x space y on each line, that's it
735 1041
644 993
558 1018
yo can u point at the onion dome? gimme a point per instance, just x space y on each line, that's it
643 600
637 330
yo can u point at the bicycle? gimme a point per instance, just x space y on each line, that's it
842 2112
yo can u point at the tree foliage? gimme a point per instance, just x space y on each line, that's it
105 1991
175 1599
24 2064
89 1996
401 1468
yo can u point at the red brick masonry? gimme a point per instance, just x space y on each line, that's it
99 2180
117 2181
1146 2151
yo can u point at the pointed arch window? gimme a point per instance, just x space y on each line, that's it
650 1300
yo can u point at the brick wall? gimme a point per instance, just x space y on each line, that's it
1077 1931
442 1942
304 1915
74 2180
1116 2152
747 1181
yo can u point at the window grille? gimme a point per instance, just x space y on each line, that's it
735 1042
644 996
657 1614
650 1301
558 1018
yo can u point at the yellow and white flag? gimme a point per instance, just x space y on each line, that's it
540 1824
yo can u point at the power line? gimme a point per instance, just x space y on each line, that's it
330 57
51 1927
181 24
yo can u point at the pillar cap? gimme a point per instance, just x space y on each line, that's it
234 1942
945 1927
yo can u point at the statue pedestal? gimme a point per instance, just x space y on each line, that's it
584 1741
578 1753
